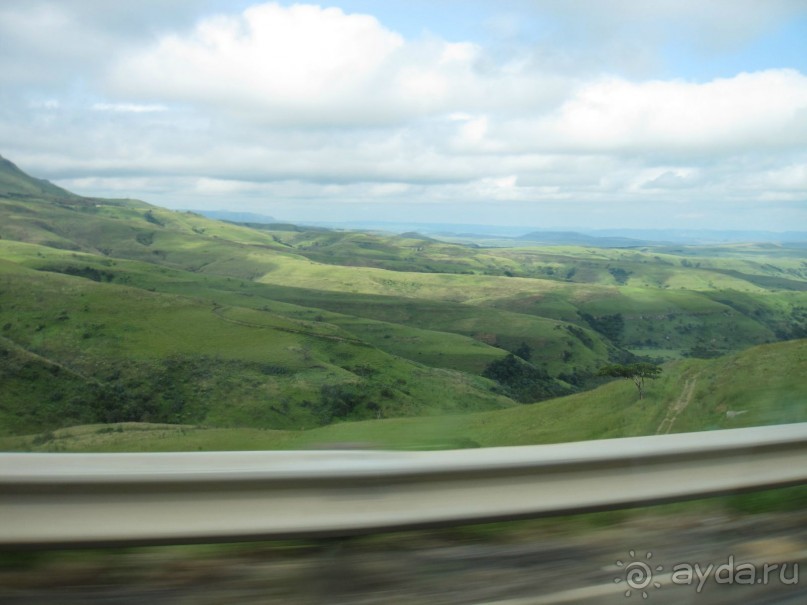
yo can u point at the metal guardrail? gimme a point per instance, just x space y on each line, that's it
114 499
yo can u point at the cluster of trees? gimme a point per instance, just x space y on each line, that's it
620 275
610 326
520 379
339 401
149 216
86 271
637 372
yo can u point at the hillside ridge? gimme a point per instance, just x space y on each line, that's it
14 181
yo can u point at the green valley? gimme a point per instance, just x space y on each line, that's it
144 328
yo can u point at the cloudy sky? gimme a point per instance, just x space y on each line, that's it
543 113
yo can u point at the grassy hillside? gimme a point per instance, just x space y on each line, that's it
151 356
119 311
695 301
14 181
761 386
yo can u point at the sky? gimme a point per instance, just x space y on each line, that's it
684 114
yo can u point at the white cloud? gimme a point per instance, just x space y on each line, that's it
306 65
389 189
731 115
47 104
222 188
30 48
673 178
298 60
128 107
793 177
474 130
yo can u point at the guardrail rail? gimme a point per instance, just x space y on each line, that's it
115 499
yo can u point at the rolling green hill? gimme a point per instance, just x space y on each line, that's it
131 354
760 386
119 311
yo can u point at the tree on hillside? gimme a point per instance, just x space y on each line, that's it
524 351
637 372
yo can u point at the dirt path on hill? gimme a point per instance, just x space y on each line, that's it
678 406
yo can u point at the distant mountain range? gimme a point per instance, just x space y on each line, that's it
604 238
705 236
15 181
568 238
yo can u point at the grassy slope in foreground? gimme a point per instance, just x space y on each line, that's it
73 350
760 386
